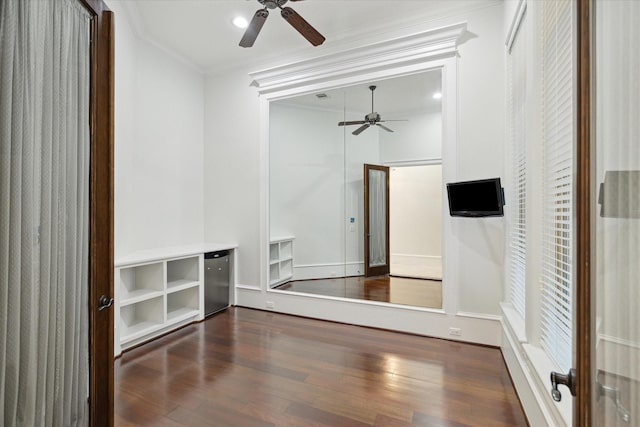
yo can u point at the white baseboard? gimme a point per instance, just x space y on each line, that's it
328 270
421 266
415 320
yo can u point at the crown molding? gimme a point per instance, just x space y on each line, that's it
402 51
134 19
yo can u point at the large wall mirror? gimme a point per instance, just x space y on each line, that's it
356 208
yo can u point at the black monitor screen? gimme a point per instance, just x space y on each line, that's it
476 198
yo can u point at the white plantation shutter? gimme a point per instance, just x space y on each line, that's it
558 135
517 195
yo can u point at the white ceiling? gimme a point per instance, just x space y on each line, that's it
393 97
201 32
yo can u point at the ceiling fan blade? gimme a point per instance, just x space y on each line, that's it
384 127
398 120
360 129
302 26
254 28
357 122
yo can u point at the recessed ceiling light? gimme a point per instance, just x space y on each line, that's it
240 22
437 95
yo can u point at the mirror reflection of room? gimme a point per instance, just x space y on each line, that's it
356 192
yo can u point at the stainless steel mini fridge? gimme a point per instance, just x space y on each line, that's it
216 281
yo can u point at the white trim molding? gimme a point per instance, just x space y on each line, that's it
417 162
403 51
529 368
515 24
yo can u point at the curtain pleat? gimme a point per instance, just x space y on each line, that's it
44 212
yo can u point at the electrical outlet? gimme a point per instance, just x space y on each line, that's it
271 305
455 332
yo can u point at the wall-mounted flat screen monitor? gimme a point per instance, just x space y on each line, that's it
476 198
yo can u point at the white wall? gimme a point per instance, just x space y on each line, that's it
419 138
159 123
481 155
415 221
232 172
232 152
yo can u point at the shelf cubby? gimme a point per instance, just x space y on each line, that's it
274 253
286 249
182 305
142 318
182 273
141 282
280 261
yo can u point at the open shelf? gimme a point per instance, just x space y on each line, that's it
139 296
140 281
183 304
183 269
286 249
179 285
137 320
286 269
280 261
274 252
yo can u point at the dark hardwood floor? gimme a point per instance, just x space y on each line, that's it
397 290
246 367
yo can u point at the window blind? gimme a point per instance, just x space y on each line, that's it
558 51
517 69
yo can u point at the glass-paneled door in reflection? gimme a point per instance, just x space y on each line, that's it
616 213
376 217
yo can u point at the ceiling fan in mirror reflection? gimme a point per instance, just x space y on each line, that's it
290 15
371 119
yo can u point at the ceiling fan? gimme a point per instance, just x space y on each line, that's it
290 15
371 119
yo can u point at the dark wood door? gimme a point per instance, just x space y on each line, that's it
376 220
101 215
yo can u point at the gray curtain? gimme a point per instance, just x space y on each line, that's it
44 206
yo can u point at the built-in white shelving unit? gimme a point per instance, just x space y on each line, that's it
158 291
280 261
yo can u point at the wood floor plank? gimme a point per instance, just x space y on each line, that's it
396 290
252 368
324 417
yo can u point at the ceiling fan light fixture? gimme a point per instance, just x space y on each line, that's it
240 22
437 95
371 119
291 16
